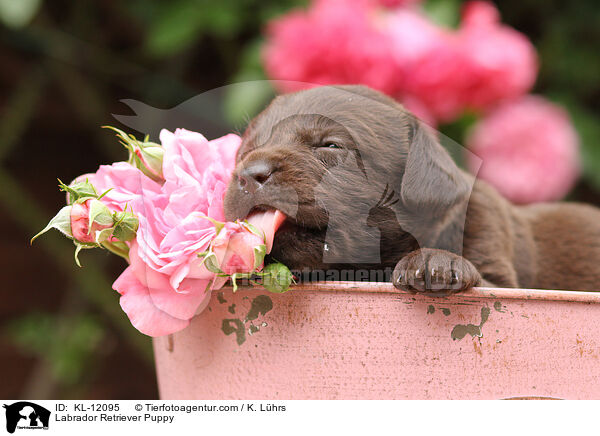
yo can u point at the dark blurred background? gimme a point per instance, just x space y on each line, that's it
66 65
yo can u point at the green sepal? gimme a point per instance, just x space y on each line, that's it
78 190
253 229
277 278
117 247
259 256
60 222
104 193
212 263
153 157
126 226
218 224
80 246
236 276
103 235
100 214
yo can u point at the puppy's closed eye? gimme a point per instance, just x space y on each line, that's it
330 144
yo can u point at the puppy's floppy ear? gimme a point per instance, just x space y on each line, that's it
432 183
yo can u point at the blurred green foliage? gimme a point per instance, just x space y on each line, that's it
175 26
18 13
66 343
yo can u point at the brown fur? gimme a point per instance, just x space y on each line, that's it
440 229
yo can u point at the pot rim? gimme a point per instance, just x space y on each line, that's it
478 292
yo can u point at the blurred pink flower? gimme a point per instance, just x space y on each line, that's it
473 68
396 3
426 65
501 62
439 80
529 150
439 73
333 42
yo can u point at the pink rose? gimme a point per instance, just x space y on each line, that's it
170 228
141 310
173 229
529 150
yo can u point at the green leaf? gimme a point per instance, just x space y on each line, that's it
61 222
78 248
218 224
153 159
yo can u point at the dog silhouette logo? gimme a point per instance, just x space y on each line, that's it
26 415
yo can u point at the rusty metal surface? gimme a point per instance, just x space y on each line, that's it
371 342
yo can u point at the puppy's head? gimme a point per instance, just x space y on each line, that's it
359 179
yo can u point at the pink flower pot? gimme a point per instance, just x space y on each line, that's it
367 341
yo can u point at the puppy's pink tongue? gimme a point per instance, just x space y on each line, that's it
268 221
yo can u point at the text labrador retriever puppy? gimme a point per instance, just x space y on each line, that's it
365 185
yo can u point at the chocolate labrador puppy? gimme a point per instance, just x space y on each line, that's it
364 185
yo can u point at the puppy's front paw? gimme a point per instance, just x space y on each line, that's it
435 272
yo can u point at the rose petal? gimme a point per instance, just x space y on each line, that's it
141 311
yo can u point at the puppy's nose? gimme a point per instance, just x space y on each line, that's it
254 175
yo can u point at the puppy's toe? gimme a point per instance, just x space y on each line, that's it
434 272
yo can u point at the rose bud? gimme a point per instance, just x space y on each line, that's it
89 211
235 249
150 158
145 155
276 277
